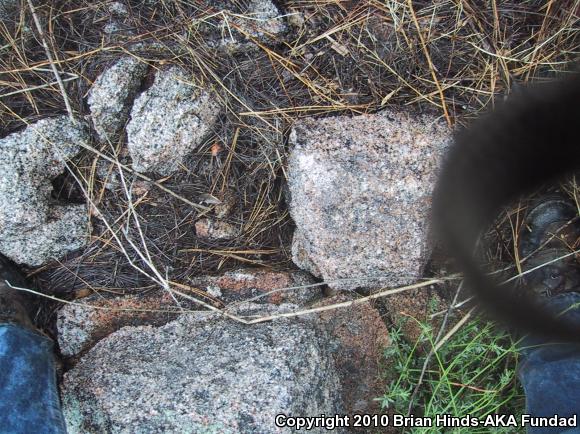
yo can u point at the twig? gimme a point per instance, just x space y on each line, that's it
40 86
146 178
433 350
347 303
106 308
454 329
51 61
431 66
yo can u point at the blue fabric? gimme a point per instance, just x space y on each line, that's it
550 372
29 401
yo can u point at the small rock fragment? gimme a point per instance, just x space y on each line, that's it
361 201
119 9
238 23
215 229
113 21
168 121
296 18
112 94
140 187
226 205
108 174
261 19
200 374
33 228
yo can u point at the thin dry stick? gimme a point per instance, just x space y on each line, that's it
347 303
430 63
51 61
146 178
454 329
106 308
40 86
432 351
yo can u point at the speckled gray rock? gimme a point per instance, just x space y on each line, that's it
34 229
118 9
202 375
258 19
168 121
112 94
112 20
360 192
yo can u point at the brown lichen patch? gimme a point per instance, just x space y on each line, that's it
246 284
82 325
361 336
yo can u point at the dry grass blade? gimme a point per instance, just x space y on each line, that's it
51 60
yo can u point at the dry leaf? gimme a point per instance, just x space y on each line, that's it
216 148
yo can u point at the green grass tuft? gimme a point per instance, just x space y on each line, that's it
474 373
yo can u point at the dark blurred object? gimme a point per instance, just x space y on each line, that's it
529 140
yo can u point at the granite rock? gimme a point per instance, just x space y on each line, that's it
201 374
361 202
34 228
168 121
112 94
233 25
261 20
118 9
113 21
